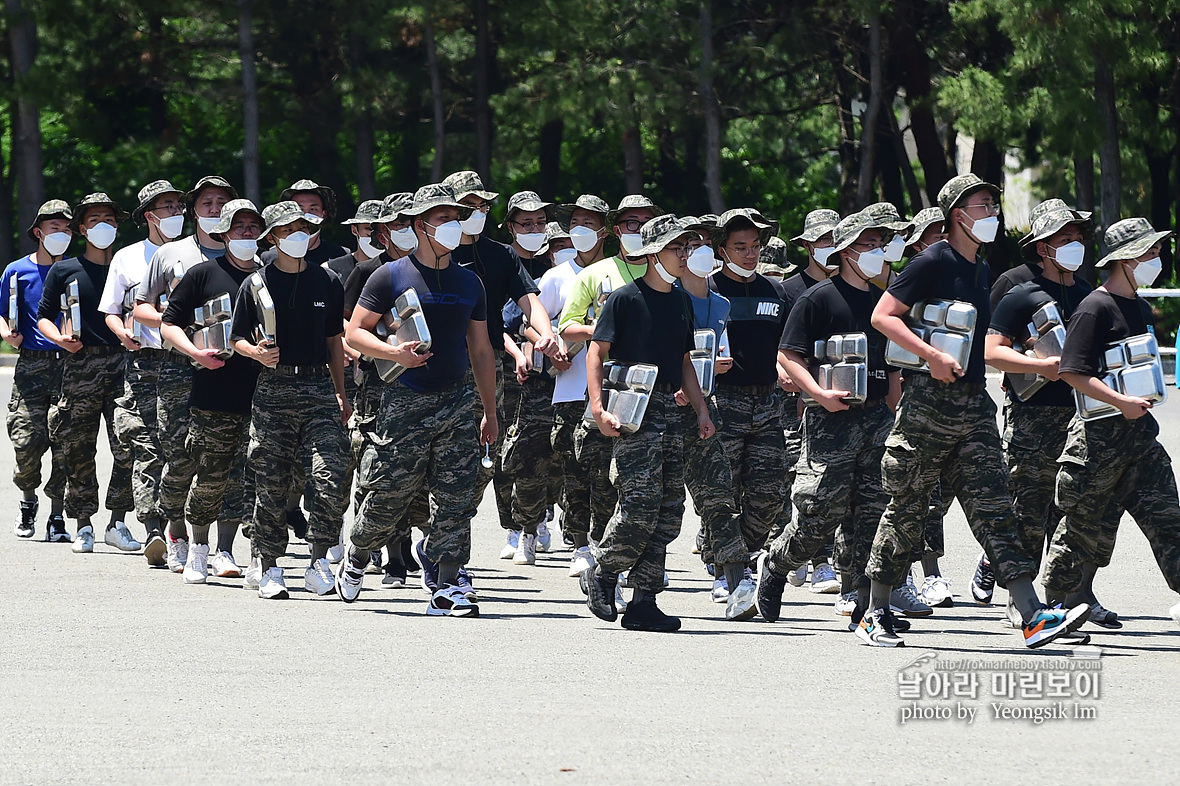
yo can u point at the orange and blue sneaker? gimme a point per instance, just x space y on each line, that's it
876 630
1051 624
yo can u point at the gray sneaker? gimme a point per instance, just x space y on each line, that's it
905 600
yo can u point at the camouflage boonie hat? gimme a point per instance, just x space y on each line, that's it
366 212
774 252
208 181
588 202
960 187
431 196
851 227
93 200
231 209
925 219
817 224
54 208
701 225
767 227
149 193
280 214
1050 206
555 231
393 206
632 202
305 186
466 183
658 233
1050 223
886 214
527 202
1129 239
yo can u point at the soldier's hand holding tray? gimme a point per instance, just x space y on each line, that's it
1133 407
945 368
208 359
70 344
13 338
705 427
832 400
608 424
406 354
266 354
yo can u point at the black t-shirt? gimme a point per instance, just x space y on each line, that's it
342 266
91 279
1014 312
1099 321
646 326
1012 278
795 286
833 307
757 313
451 299
317 256
309 309
503 276
941 273
536 266
357 279
231 387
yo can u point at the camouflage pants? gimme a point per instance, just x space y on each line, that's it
1110 462
751 431
223 488
1033 439
706 473
793 439
527 454
36 385
575 499
136 427
593 452
365 407
294 416
422 442
647 468
838 491
91 380
933 541
173 386
945 432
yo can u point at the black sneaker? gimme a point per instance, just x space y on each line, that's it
429 569
566 537
983 583
699 543
297 523
26 525
646 615
769 595
395 574
155 550
600 593
897 624
55 529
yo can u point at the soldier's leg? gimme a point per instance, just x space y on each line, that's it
1150 496
1033 439
213 440
238 502
707 474
325 439
503 480
636 472
119 498
528 464
763 489
273 454
792 422
594 452
647 574
575 506
28 420
136 425
172 415
451 477
486 475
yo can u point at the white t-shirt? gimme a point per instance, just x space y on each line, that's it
555 286
127 268
169 265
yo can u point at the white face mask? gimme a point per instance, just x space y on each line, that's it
448 235
663 273
172 226
405 239
701 261
737 270
101 235
207 224
822 255
56 243
630 243
242 249
1146 271
584 238
530 242
895 249
295 244
564 255
1070 256
984 230
365 244
473 224
871 263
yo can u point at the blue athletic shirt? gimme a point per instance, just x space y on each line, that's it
30 278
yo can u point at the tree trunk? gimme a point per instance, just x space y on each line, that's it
436 95
549 159
1159 165
988 162
847 124
409 159
915 78
712 112
483 111
7 247
26 137
903 163
1083 178
157 102
1110 185
632 151
696 199
868 139
362 124
249 102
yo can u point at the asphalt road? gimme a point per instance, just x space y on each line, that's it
112 672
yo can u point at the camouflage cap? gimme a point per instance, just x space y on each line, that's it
699 224
393 206
228 211
774 253
925 219
94 200
767 227
853 226
887 215
1048 206
588 202
527 202
305 186
816 224
1129 239
555 231
769 270
366 212
149 194
959 188
1050 223
208 181
280 214
431 196
466 183
632 202
54 208
658 233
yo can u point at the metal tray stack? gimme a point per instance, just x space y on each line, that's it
628 389
405 322
13 303
268 327
1046 338
947 325
1131 367
211 326
71 309
704 359
847 367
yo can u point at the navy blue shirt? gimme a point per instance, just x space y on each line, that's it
30 280
757 314
451 299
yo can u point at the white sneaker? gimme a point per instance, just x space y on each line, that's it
196 567
83 541
720 592
846 604
526 550
318 577
177 555
666 582
798 577
509 550
272 586
823 580
1012 618
581 560
620 601
624 579
936 591
450 601
223 566
120 537
740 604
543 537
335 554
1175 613
253 575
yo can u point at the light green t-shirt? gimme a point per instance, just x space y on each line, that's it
585 288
